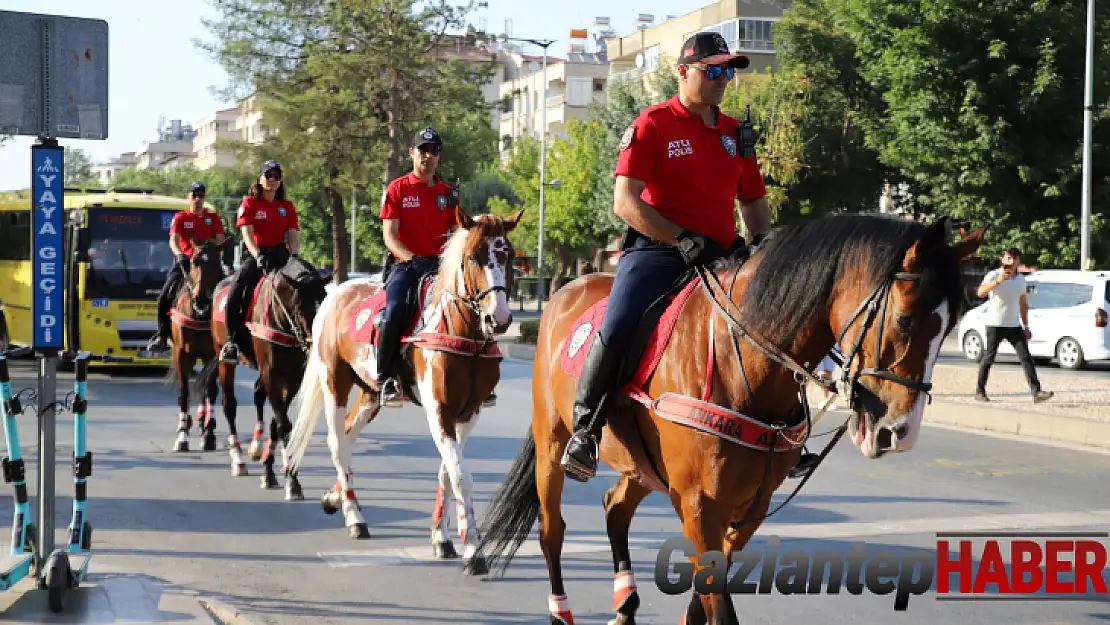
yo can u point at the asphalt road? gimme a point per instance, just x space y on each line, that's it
182 520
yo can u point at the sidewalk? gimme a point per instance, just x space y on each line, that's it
1079 414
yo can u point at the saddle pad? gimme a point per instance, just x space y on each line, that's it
362 329
572 357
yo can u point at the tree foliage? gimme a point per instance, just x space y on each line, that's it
975 106
77 167
346 83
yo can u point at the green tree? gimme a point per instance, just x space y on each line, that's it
981 109
345 83
77 168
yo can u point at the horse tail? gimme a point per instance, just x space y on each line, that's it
205 378
171 374
311 399
512 512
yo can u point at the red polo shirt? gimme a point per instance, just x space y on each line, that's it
423 212
189 227
270 219
694 172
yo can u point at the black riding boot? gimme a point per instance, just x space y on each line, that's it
389 344
580 459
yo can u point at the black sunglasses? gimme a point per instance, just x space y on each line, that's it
428 149
273 175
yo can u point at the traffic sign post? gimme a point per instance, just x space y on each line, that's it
53 83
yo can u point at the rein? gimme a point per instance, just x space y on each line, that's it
847 385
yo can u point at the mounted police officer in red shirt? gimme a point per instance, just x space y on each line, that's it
190 228
418 215
271 233
682 166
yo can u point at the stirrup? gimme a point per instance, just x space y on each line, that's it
576 468
230 353
157 344
389 394
806 464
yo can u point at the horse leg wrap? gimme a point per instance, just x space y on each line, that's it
559 607
624 588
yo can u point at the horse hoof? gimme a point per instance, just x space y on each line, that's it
181 445
626 619
269 481
476 566
359 531
254 452
444 550
327 504
210 442
239 470
293 493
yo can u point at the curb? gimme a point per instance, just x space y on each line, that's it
1086 432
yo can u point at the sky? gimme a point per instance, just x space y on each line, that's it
154 68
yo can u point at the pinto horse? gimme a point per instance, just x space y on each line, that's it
280 322
452 365
191 336
720 417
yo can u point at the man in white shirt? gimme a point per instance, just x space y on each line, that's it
1007 319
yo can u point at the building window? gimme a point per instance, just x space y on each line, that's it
756 35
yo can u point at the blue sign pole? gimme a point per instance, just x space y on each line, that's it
47 276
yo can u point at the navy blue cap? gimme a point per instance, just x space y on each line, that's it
198 187
268 165
425 136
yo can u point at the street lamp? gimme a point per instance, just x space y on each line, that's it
543 43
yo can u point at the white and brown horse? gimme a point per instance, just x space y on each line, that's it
451 365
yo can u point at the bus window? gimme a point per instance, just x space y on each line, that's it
15 235
130 253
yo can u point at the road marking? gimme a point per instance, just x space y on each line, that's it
815 531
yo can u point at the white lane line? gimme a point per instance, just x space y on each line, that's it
1043 521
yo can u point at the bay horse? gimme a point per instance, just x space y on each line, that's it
191 337
720 420
451 366
280 323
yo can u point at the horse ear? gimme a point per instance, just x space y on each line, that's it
512 220
934 236
968 246
464 219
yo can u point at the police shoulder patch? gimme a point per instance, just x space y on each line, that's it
730 145
629 134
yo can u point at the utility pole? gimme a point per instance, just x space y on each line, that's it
1088 120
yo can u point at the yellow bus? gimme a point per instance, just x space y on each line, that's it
117 256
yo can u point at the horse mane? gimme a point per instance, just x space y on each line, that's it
801 264
452 260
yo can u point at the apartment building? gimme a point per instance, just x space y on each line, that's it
567 90
221 125
747 26
106 173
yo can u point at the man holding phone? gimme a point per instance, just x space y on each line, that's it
1007 319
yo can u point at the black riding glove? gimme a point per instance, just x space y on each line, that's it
699 249
184 263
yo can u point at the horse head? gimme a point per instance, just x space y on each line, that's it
299 289
205 273
885 292
476 268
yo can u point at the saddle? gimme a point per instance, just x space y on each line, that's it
367 321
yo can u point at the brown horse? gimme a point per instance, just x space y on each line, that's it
280 323
191 335
467 306
885 291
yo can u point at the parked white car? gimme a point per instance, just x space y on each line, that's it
1067 316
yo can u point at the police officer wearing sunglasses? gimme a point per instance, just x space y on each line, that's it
682 165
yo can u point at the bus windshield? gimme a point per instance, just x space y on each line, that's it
130 253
